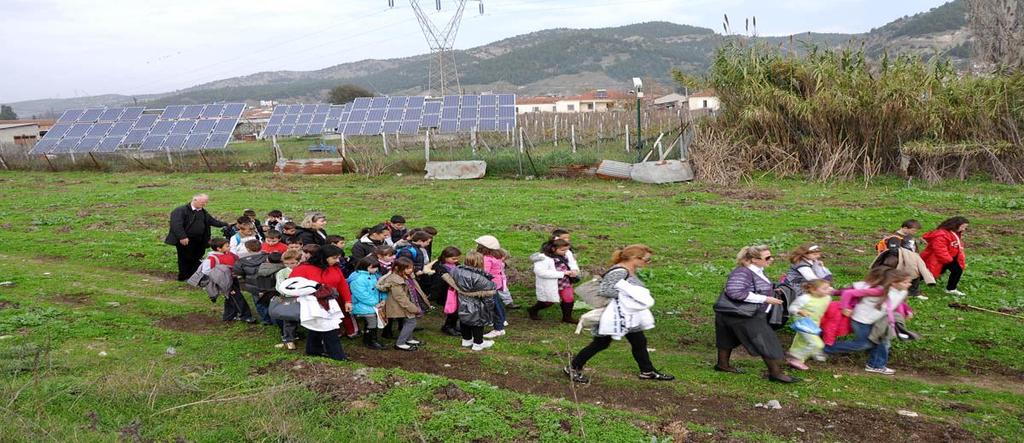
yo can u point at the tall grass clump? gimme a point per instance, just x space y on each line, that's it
832 113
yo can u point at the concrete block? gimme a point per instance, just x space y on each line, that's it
669 171
611 169
311 166
459 170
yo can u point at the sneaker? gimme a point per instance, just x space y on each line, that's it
883 370
467 343
797 364
506 322
289 346
655 375
955 292
922 297
494 334
279 346
820 357
576 376
480 347
451 331
405 348
413 342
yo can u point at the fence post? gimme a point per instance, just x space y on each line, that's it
573 129
384 138
343 153
521 140
627 138
426 145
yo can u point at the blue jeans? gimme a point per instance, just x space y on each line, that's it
500 316
879 353
262 310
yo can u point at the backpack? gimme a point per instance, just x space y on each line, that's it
883 244
413 250
198 278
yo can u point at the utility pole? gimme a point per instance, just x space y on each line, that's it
442 73
638 89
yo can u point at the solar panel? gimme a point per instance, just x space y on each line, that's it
432 107
120 129
195 142
305 119
507 112
394 114
174 142
66 145
488 100
357 115
294 109
145 121
78 130
506 100
132 114
449 126
108 145
270 130
308 109
469 113
392 127
135 136
286 130
430 121
300 130
488 112
415 102
107 129
449 113
398 102
204 126
172 112
43 146
315 129
450 101
409 127
111 115
353 128
371 128
57 131
70 116
470 100
276 119
226 125
152 143
290 119
413 114
379 103
90 115
361 103
487 125
191 112
87 144
99 130
212 111
218 141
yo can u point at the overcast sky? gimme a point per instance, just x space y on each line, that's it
69 48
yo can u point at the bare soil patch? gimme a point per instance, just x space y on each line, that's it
338 383
533 227
191 322
4 304
72 299
838 423
747 194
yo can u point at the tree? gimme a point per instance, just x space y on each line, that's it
998 30
346 93
7 113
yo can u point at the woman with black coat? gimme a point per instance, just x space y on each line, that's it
368 240
312 231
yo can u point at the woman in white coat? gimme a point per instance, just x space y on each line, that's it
627 315
553 279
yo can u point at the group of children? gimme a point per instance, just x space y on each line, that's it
390 279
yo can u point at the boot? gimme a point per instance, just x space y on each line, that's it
567 313
370 340
534 310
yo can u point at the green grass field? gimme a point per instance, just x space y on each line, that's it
91 313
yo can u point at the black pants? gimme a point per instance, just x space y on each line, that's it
476 333
235 305
189 257
637 340
326 344
915 287
955 272
451 321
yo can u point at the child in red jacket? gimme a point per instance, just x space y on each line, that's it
945 251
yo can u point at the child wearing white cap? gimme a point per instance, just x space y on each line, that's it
494 264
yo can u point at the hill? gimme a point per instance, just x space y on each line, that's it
552 61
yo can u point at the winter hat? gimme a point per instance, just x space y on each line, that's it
298 286
488 241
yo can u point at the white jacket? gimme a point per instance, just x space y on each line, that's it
313 316
630 312
573 266
547 277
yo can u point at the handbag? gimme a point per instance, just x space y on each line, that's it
284 308
587 292
806 326
200 279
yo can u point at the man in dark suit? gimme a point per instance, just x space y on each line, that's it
190 234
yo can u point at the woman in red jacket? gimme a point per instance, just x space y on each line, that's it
945 251
322 268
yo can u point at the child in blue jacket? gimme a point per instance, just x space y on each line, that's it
367 300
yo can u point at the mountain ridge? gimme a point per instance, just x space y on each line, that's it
558 61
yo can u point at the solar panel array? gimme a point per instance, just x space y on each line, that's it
395 115
177 128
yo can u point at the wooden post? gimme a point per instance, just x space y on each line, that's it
47 158
90 156
208 167
168 151
573 132
384 139
627 138
73 158
3 161
555 138
343 153
426 145
472 140
521 140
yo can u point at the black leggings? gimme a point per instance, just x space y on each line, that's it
476 333
955 272
637 340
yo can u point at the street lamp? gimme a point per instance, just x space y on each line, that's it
638 89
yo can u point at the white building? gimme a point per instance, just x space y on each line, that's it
673 100
19 133
601 100
706 100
